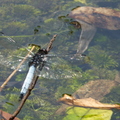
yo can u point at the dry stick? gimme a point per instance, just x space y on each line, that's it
50 43
32 85
24 98
10 76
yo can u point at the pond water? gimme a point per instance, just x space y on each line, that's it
35 22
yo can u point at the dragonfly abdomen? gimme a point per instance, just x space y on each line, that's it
27 81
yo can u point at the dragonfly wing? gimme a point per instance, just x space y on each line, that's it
8 48
87 34
12 62
7 42
57 68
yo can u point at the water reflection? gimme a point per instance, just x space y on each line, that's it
90 18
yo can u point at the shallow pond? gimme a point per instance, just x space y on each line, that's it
35 22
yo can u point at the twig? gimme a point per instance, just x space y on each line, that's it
10 76
49 47
24 98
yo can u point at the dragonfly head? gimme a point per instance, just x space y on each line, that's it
43 51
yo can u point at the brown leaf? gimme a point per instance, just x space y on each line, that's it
6 116
96 89
87 102
100 17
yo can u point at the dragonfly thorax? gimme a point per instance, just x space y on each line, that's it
38 58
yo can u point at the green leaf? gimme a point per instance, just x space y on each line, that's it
10 103
77 113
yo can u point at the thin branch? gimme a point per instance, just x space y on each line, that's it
49 47
10 76
24 98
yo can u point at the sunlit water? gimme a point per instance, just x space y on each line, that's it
38 25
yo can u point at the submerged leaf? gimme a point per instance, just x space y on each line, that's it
6 116
78 113
87 102
10 103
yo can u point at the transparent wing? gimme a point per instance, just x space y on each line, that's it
13 61
87 34
58 67
7 42
11 53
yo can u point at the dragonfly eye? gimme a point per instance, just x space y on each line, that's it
43 51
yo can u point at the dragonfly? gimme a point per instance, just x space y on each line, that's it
38 66
37 61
